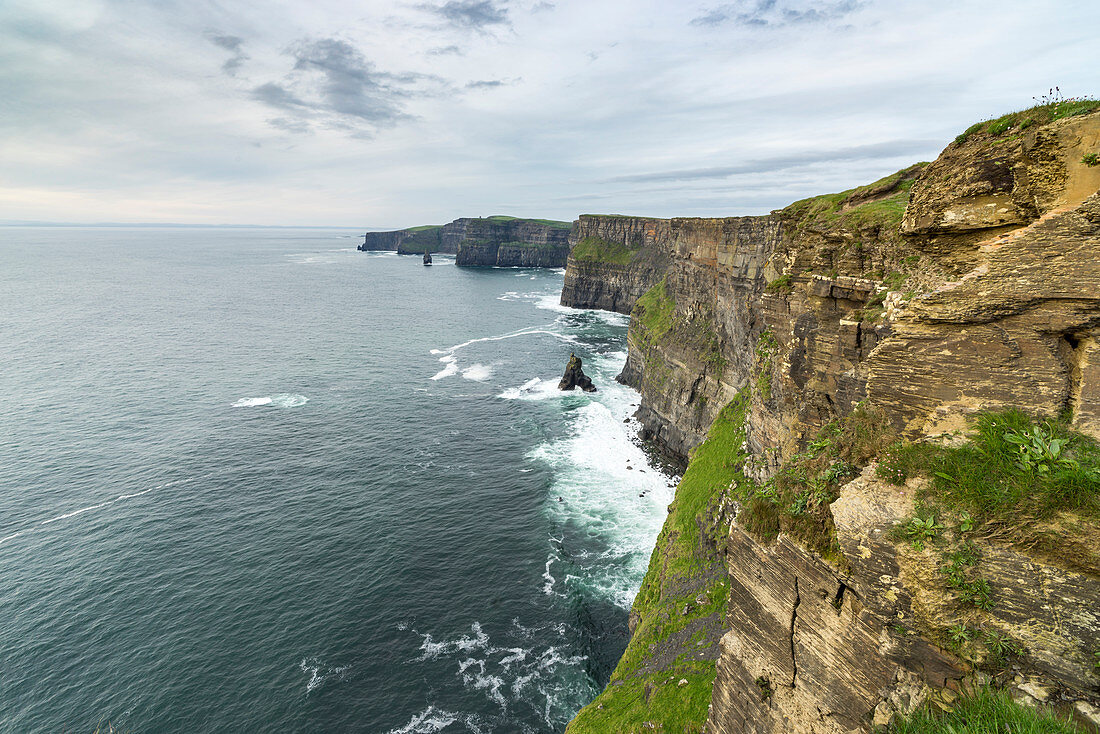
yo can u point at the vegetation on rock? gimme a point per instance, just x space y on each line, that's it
1012 472
987 711
1049 110
596 249
663 680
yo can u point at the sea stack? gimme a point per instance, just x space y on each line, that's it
574 376
427 258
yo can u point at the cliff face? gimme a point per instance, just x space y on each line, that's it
483 242
969 284
614 260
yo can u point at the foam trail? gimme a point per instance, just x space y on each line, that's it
9 537
522 332
279 400
428 721
81 511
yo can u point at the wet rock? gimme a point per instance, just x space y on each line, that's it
574 376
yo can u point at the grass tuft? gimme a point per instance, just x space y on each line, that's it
1007 472
988 711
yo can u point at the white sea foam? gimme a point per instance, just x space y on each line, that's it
279 400
481 372
431 720
512 673
606 487
534 389
319 672
9 537
551 302
511 335
478 372
450 366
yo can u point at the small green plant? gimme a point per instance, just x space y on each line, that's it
765 687
1039 450
966 522
920 530
999 126
1000 648
1091 159
959 635
1096 661
782 284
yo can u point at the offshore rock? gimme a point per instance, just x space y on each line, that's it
574 376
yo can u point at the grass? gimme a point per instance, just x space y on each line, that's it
796 500
424 228
1043 114
1091 159
884 207
782 284
686 566
597 249
501 218
996 479
988 711
654 311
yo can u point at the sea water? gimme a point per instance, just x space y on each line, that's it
255 480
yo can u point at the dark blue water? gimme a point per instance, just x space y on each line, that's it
255 480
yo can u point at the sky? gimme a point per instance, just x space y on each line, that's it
379 115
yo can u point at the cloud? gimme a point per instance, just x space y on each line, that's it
234 45
774 13
445 51
490 83
890 149
333 83
476 14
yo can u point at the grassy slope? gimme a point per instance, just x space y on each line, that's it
684 568
596 249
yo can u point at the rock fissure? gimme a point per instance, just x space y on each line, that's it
794 620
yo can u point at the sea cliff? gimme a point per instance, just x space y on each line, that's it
497 241
837 371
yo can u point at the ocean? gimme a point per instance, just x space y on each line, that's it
255 480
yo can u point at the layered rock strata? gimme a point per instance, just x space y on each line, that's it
483 242
968 284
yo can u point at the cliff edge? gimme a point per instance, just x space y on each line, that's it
890 399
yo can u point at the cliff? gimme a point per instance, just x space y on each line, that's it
497 241
875 564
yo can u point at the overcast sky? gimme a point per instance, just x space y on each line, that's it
386 114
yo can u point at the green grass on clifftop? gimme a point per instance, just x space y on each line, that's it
548 222
989 711
1043 114
663 681
597 249
881 204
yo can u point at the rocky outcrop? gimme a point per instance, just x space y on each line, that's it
574 376
968 284
483 242
842 651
